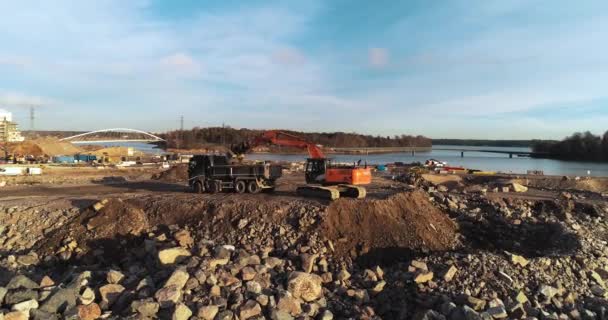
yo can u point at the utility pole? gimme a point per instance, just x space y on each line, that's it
32 117
223 134
180 133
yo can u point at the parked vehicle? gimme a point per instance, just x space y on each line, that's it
214 173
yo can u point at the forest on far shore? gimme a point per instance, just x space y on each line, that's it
579 146
204 137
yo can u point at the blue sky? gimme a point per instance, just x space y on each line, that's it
453 69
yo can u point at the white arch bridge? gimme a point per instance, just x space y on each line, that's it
114 135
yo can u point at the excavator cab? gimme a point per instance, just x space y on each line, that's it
315 170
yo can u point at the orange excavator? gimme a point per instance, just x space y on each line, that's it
324 178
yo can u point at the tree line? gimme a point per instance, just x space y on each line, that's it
579 146
205 137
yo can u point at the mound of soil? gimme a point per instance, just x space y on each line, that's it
178 173
403 222
115 220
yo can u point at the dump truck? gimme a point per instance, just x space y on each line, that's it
216 173
324 178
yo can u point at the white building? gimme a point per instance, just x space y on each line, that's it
9 131
5 115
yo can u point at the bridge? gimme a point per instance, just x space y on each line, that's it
114 135
510 153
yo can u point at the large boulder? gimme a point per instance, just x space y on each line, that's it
305 286
173 255
518 187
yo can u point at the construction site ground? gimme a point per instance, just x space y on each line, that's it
438 247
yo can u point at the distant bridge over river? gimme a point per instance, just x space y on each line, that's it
114 135
414 150
511 153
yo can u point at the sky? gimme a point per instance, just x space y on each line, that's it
484 69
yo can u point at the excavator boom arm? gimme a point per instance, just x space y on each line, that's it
280 138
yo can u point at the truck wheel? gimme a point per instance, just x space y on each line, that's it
240 186
253 187
198 187
214 187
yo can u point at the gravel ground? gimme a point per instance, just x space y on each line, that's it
415 249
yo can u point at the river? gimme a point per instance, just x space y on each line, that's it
471 160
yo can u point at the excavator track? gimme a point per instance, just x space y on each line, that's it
352 191
328 193
332 192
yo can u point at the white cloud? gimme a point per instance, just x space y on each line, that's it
505 102
15 61
378 57
181 63
289 56
13 99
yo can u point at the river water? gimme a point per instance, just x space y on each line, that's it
471 160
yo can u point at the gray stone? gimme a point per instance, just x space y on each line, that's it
181 312
248 273
598 291
289 304
343 275
254 287
59 300
114 277
225 315
498 312
168 296
280 315
249 310
547 291
308 261
450 273
420 265
273 262
25 305
110 293
173 255
38 314
87 297
305 286
16 315
147 308
20 295
207 312
262 299
470 314
429 315
326 315
447 308
22 281
178 279
3 292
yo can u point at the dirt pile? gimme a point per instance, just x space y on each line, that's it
407 221
26 148
104 221
178 173
44 146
